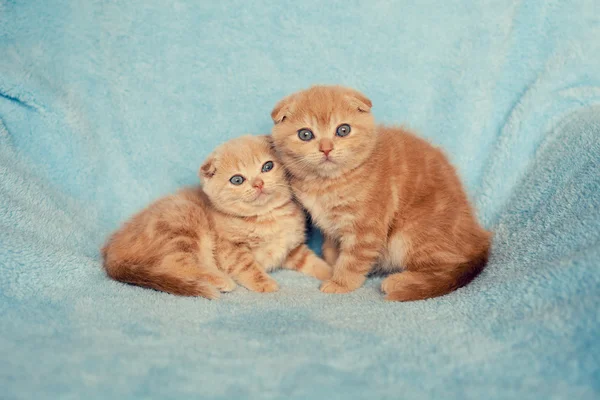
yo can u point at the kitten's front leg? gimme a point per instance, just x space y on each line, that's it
330 250
239 262
357 256
306 261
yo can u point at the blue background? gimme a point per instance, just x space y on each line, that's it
106 105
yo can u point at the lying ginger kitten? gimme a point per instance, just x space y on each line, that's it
241 224
383 197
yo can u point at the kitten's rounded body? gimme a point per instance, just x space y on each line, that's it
270 237
193 242
383 198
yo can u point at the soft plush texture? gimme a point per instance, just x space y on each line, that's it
106 105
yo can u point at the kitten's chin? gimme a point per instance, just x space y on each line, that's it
322 169
263 198
329 167
331 172
268 202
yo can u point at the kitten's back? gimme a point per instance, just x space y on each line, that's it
165 246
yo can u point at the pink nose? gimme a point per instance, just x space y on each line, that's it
258 183
325 146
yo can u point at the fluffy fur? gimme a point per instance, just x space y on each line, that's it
194 242
382 196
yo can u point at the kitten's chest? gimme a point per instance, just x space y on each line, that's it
273 240
330 211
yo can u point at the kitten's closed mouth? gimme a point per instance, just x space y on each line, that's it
261 195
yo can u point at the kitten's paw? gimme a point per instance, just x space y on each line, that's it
221 282
227 285
267 286
322 271
390 283
334 287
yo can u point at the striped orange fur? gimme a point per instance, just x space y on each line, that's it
383 197
200 241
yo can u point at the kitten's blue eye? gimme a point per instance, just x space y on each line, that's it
267 166
305 134
237 179
343 130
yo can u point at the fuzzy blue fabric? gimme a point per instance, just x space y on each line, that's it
106 105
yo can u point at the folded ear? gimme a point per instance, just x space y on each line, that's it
360 101
208 169
283 109
268 140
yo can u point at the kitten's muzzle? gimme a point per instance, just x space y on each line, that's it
258 183
325 146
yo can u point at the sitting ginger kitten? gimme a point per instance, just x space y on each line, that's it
383 197
241 224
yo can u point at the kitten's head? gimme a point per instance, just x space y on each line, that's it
323 131
243 177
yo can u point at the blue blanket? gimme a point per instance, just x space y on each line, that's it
106 105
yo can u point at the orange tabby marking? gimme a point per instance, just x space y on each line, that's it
381 195
194 242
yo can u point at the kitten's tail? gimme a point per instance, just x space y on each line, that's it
421 285
174 281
